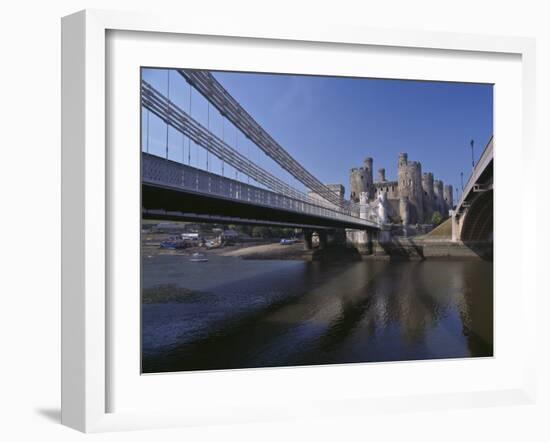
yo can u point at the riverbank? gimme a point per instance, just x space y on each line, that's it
399 248
429 248
249 250
266 251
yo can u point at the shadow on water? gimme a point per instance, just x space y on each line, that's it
236 342
476 312
228 341
353 312
400 248
335 254
483 249
218 350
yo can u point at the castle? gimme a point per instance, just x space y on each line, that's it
412 199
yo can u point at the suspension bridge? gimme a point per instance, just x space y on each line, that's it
177 190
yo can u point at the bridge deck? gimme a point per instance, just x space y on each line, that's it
175 178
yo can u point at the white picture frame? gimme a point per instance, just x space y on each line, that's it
86 212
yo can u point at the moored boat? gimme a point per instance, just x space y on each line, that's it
198 257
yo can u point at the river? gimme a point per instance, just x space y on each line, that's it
268 313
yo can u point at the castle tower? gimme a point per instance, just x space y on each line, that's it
357 183
429 197
409 185
402 161
401 175
448 196
381 175
367 164
439 199
416 193
402 187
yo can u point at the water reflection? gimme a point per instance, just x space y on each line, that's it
319 313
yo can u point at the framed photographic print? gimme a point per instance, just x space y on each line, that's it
241 269
270 223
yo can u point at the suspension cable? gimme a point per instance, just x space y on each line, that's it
213 91
223 138
207 150
168 96
237 149
177 118
189 150
147 142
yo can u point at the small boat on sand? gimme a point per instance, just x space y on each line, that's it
288 241
198 257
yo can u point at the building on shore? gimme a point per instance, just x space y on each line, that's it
412 199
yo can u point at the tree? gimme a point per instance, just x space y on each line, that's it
436 218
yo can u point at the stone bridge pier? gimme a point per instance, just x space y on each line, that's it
322 236
362 240
308 239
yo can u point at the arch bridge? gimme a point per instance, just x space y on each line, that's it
472 219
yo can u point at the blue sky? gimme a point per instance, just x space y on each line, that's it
330 124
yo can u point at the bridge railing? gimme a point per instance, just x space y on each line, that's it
168 173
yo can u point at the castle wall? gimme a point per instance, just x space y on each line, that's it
404 210
390 187
393 210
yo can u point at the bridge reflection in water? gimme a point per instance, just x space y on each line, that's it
282 313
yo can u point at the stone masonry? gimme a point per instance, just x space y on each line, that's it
414 197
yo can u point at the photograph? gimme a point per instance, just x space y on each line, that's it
295 220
